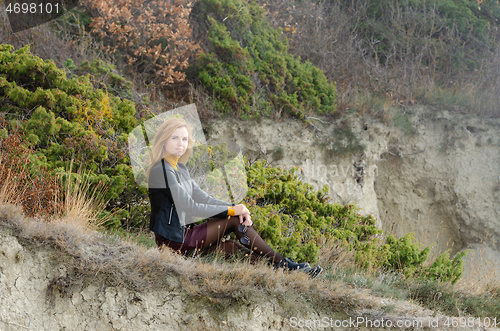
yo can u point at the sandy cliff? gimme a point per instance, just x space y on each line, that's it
56 277
434 173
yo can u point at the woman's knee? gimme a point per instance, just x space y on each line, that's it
223 225
232 222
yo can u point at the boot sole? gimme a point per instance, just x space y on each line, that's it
314 272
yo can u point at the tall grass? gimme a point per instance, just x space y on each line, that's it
10 190
468 98
83 202
66 198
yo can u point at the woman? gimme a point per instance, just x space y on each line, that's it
176 199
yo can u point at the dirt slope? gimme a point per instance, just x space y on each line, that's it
431 172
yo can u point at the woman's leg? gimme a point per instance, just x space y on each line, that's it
229 247
220 227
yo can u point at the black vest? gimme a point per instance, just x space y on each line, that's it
175 199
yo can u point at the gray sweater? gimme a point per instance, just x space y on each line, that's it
176 199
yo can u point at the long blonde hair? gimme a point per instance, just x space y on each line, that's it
164 132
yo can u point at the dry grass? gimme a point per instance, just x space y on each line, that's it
10 191
328 34
223 284
476 295
82 202
141 268
49 41
471 97
43 195
36 191
482 276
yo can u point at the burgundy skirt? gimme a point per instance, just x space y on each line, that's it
194 238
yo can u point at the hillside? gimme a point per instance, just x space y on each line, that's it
54 277
431 172
389 107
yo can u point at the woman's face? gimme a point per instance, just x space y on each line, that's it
177 143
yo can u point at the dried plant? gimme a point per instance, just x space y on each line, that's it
154 36
37 191
397 50
83 203
41 193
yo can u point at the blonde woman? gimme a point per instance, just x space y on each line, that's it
176 199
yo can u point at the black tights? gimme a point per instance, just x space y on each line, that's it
219 228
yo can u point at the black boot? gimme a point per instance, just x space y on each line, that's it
289 264
314 272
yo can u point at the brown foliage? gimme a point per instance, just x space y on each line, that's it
37 191
154 35
416 65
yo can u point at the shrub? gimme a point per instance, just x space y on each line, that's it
247 67
35 189
446 269
288 212
458 27
66 119
295 220
405 255
104 76
152 37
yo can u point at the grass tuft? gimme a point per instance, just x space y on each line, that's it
83 203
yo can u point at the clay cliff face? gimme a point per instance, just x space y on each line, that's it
434 173
55 276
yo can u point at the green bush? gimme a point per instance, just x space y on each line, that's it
288 211
405 255
446 269
66 118
296 220
247 66
104 76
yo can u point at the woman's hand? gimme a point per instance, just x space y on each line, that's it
246 220
240 210
244 214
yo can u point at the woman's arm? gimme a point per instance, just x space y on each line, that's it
201 196
184 201
239 210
